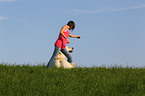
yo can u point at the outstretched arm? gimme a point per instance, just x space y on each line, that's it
74 36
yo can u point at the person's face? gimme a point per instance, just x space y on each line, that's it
70 28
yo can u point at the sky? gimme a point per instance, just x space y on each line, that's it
112 31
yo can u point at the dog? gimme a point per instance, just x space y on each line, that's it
61 60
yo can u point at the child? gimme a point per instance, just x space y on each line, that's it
60 44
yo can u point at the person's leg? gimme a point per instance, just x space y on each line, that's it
67 54
54 56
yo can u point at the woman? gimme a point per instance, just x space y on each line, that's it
60 44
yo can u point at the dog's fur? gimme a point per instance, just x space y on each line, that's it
61 61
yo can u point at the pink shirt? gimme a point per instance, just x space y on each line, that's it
61 41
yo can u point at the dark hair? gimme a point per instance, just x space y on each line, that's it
71 24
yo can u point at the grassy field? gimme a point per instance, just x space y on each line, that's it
16 80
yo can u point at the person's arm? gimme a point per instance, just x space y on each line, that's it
62 33
74 36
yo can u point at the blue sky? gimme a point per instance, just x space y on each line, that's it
112 32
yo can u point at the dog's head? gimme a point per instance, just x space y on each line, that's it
69 49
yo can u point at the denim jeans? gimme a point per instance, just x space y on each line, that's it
55 54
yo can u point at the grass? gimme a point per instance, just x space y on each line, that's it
16 80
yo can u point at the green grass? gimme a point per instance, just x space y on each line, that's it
16 80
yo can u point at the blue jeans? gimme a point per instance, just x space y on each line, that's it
55 54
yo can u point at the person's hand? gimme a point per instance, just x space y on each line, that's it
78 37
68 41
